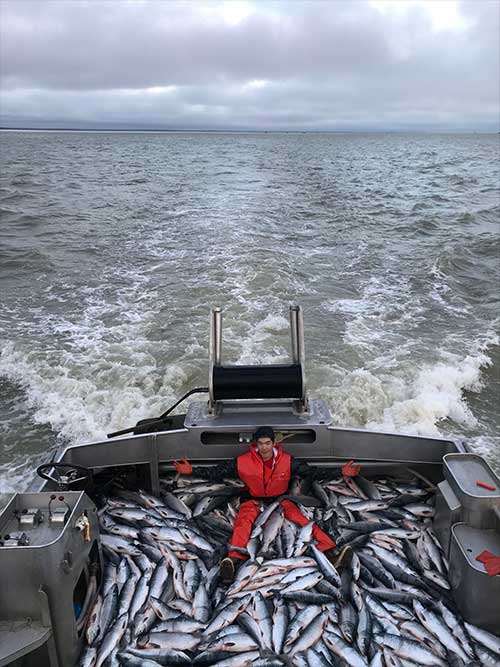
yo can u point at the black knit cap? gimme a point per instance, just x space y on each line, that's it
264 432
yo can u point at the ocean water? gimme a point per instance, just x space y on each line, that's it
114 246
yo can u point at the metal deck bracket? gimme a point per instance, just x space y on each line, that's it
153 465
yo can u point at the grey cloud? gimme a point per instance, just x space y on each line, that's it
124 49
326 65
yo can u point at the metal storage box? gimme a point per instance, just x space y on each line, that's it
476 593
462 471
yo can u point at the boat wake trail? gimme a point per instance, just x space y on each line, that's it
431 400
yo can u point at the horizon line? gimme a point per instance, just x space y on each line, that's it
250 130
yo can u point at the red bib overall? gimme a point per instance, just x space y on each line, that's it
261 481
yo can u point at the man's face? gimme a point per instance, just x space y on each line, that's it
265 448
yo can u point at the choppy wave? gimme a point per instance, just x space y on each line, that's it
434 396
26 260
82 406
431 400
120 390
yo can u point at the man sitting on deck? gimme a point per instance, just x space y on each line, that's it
266 471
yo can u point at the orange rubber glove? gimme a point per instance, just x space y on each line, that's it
490 561
184 468
351 469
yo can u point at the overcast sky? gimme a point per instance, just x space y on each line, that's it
318 65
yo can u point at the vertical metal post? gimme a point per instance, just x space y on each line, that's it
304 407
215 353
300 336
154 472
293 333
216 336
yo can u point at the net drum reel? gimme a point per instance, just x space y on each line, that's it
258 382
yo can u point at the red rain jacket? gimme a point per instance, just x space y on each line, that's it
260 480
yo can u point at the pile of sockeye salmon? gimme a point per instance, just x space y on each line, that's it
161 602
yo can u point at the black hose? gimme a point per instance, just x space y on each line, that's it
158 420
196 390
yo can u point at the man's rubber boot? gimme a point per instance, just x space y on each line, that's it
228 569
340 559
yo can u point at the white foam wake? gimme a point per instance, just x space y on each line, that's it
92 395
418 403
253 347
436 394
17 475
487 446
